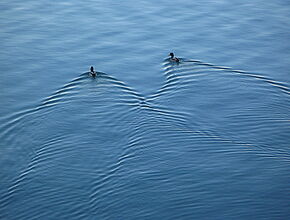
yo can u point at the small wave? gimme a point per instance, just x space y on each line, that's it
282 86
190 80
103 133
9 123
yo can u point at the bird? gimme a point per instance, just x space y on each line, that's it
93 73
173 58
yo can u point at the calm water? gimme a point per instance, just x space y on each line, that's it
147 138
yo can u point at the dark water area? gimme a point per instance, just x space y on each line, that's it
147 138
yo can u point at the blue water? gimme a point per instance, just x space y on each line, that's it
148 138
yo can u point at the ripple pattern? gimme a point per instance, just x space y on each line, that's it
112 147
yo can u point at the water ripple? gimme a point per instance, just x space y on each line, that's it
104 134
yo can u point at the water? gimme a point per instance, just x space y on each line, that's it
147 138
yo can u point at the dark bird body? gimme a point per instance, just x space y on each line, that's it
93 73
173 58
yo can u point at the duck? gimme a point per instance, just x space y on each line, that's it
173 58
93 73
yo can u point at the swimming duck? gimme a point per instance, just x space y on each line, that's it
93 73
172 58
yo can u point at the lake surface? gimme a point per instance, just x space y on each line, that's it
148 138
